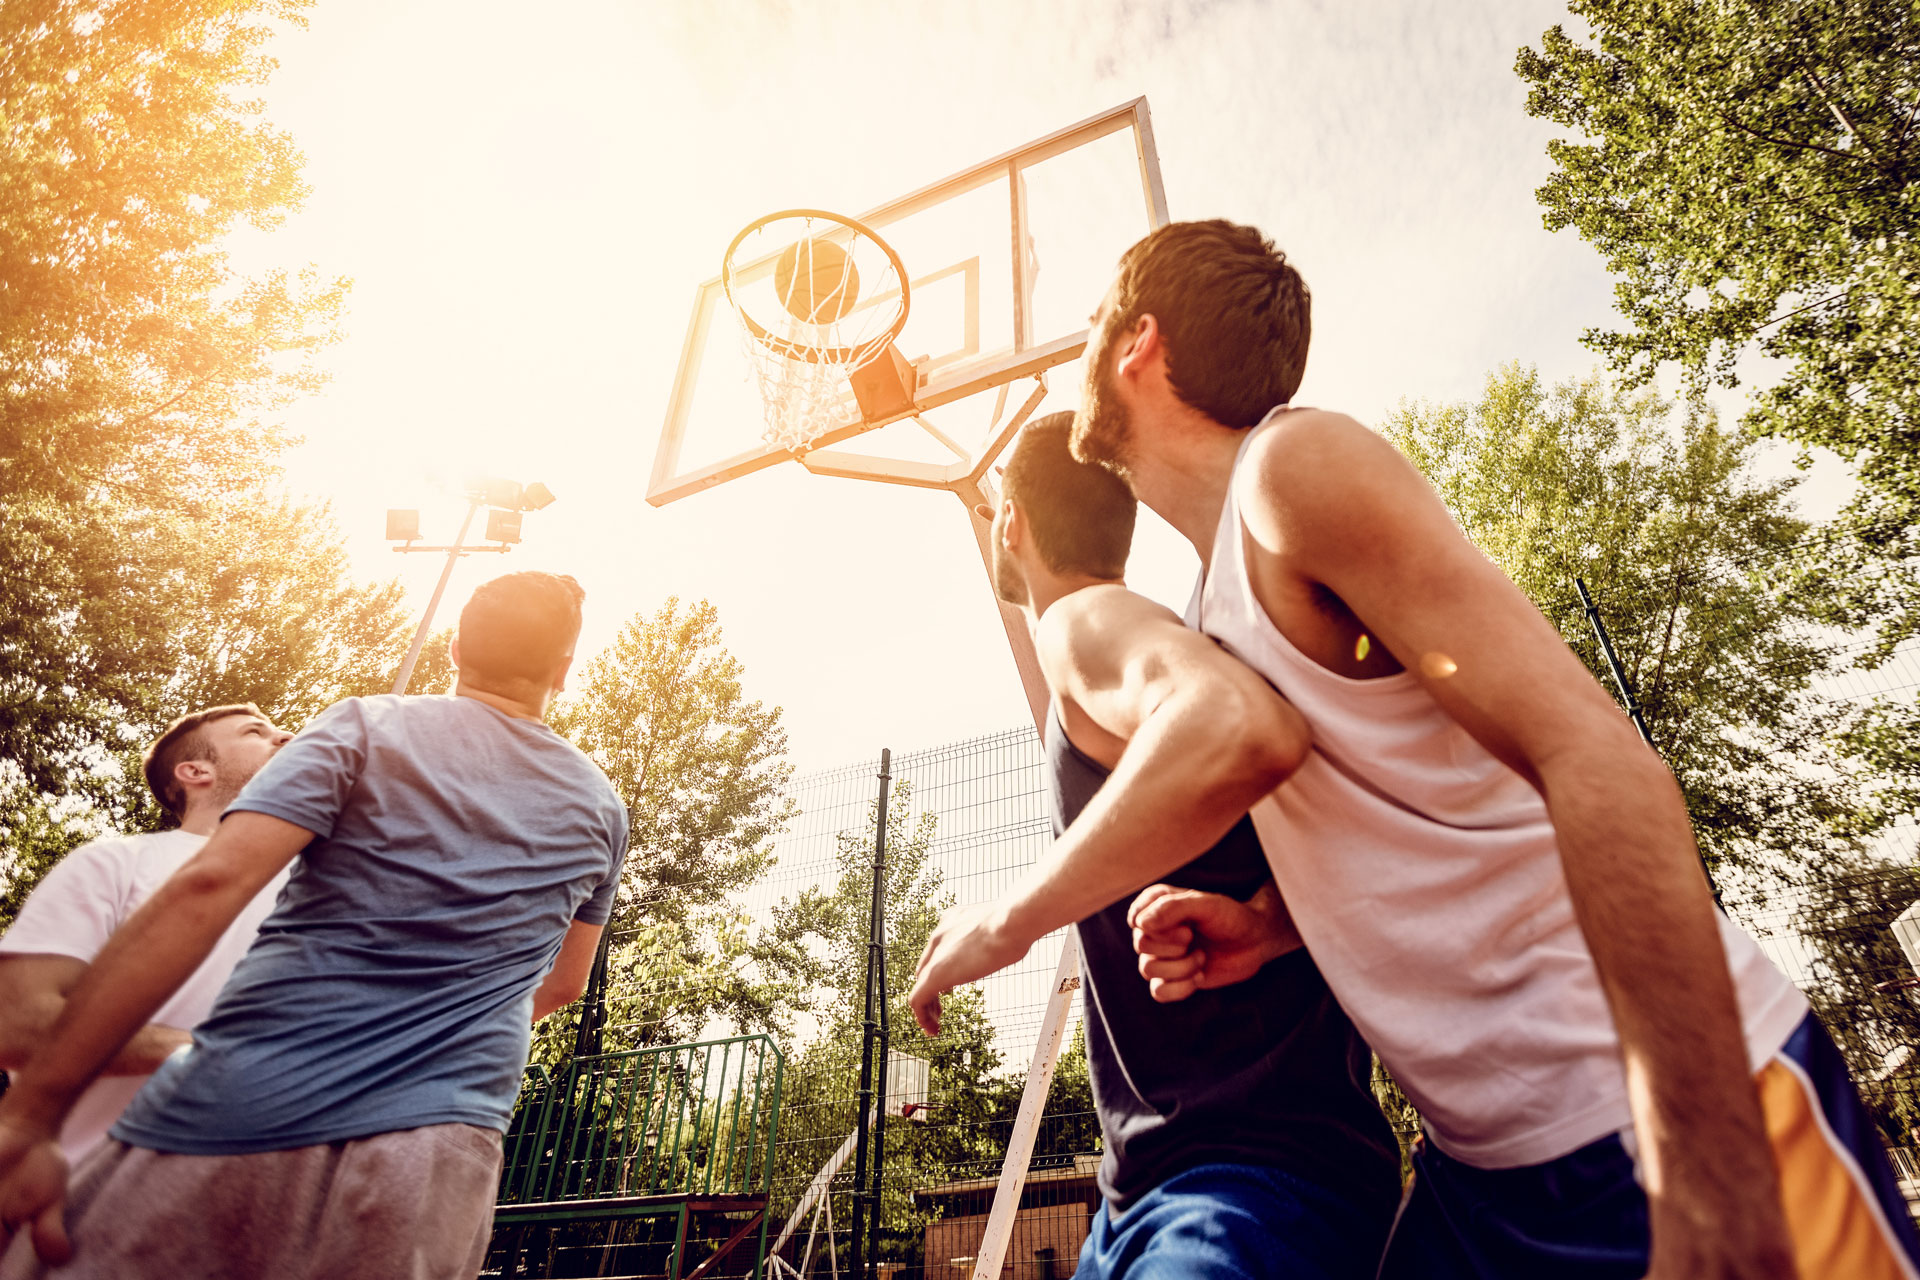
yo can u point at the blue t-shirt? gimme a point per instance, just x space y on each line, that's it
392 986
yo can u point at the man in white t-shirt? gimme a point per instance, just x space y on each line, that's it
195 769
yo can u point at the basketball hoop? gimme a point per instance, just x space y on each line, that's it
820 297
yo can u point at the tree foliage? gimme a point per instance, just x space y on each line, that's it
1748 170
699 765
702 770
139 374
148 564
1689 556
819 939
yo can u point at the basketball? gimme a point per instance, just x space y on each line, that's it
816 281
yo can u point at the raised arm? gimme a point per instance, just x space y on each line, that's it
34 991
1328 501
144 962
1198 738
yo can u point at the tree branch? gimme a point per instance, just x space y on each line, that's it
1782 142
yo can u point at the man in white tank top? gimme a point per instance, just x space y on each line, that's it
1496 877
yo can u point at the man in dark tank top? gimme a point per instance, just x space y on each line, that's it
1241 1135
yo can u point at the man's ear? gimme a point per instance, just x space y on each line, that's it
1013 529
194 773
560 675
453 652
1139 347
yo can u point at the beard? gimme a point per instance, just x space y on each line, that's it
230 778
1103 428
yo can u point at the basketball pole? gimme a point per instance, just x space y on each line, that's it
994 1238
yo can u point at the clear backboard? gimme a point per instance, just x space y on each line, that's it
1004 261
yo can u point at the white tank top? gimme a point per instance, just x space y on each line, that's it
1424 877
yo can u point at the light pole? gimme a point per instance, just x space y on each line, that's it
507 499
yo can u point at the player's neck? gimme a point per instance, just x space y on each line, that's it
1045 589
518 708
1183 474
202 819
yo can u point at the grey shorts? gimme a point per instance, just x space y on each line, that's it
416 1204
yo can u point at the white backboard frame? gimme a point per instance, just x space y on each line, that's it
1029 356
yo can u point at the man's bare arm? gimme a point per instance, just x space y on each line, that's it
143 963
1204 738
1333 503
33 992
567 980
146 960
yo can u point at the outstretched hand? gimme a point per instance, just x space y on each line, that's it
970 944
1192 941
33 1191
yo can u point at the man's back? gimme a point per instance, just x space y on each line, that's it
392 987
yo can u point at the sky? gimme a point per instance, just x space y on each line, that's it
526 198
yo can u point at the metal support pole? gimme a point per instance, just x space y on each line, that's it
870 1032
883 1045
426 619
1632 705
593 1005
1613 664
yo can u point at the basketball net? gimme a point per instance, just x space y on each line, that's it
801 400
818 297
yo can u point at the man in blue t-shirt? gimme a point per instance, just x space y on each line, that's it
340 1111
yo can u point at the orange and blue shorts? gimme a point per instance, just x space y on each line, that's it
1584 1215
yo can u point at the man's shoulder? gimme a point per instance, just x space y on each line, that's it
98 885
1104 606
141 849
1305 447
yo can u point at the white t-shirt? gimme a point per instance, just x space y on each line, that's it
73 912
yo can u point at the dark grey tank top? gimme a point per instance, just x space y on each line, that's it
1268 1072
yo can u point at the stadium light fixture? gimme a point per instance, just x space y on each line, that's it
506 500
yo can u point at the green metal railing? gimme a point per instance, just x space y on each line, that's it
684 1120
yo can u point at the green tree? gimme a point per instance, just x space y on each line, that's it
139 374
700 766
148 564
1748 170
702 770
818 940
1687 553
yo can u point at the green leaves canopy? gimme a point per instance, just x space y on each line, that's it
147 564
1747 169
1689 556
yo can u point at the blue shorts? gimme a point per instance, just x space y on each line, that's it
1225 1221
1584 1215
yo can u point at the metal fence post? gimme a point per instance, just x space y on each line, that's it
871 1034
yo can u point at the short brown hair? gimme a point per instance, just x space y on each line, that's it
1235 314
1081 514
519 626
182 742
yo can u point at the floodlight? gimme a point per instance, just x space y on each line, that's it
535 497
402 525
503 525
